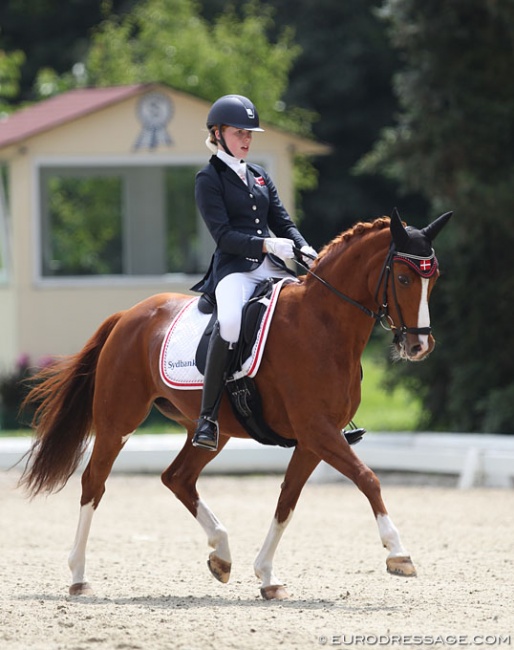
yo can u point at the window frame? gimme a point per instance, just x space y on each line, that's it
5 236
102 163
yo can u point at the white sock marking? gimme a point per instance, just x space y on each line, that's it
263 565
390 536
216 533
77 556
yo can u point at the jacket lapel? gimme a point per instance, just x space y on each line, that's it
230 175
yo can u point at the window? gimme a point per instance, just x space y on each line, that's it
121 221
4 237
84 229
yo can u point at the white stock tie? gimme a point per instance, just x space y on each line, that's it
241 172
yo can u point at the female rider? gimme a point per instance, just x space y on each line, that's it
253 233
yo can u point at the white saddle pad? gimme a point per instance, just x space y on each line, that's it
177 358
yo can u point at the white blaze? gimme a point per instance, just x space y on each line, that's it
423 313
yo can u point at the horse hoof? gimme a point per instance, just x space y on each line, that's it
274 592
81 589
219 568
401 566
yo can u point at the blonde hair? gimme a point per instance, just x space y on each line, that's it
212 142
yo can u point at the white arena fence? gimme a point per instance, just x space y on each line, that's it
473 459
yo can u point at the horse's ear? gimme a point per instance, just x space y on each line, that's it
433 229
398 232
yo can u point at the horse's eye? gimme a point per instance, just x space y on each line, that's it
404 279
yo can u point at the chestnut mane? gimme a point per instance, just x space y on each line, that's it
341 241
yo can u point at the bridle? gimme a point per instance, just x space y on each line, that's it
382 315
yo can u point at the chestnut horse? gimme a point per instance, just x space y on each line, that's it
309 381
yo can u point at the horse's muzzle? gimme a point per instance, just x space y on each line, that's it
413 346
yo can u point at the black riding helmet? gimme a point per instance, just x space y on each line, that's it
233 110
236 111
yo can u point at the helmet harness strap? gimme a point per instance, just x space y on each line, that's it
221 140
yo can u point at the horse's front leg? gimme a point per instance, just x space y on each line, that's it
398 561
220 561
337 452
181 477
300 467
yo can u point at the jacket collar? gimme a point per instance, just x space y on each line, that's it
221 167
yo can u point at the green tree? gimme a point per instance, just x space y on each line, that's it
169 41
343 74
10 73
454 142
86 231
50 33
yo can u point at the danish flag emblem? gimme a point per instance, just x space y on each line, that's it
425 265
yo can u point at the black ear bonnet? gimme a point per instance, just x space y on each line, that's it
414 247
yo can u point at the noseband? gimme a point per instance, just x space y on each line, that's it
382 315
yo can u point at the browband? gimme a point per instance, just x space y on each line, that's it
424 266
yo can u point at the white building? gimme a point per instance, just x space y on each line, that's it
97 208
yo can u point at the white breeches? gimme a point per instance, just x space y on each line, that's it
234 291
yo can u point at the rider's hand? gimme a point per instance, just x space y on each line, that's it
279 246
310 253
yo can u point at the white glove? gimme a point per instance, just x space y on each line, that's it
309 251
279 246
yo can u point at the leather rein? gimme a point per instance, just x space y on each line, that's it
383 311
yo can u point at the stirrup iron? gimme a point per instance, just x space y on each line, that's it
354 435
206 434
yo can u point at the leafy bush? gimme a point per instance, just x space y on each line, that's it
14 386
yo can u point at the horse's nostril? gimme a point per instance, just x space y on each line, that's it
416 349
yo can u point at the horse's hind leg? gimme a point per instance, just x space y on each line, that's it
104 454
122 399
77 557
300 467
181 477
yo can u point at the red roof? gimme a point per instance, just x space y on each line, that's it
60 109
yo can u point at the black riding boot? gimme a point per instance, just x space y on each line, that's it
206 434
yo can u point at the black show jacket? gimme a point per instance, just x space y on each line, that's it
239 217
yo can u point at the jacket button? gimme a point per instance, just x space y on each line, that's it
257 221
254 207
259 232
251 196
